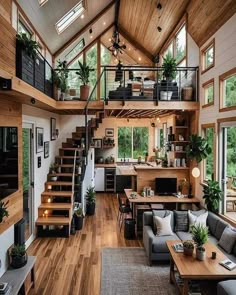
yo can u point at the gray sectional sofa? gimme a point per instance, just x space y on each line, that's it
156 249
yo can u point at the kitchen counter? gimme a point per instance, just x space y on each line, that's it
126 170
113 165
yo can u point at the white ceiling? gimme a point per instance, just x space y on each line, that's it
44 19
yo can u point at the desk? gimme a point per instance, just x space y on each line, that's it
158 200
17 277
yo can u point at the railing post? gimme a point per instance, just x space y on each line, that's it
105 85
86 130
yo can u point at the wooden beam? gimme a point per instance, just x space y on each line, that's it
92 22
135 43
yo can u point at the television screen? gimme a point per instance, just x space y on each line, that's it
165 186
8 161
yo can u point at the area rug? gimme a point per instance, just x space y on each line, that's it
125 271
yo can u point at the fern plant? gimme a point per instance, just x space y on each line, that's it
3 210
198 148
83 73
18 251
90 195
30 46
212 195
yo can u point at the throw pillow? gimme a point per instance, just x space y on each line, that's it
181 221
227 239
194 219
163 225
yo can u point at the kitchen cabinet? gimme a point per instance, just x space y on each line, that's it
99 179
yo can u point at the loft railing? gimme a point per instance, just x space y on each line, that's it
148 83
35 71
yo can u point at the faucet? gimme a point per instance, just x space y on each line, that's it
124 157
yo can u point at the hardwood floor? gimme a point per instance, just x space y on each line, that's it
72 265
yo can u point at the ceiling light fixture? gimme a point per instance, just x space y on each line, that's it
82 16
42 2
104 23
116 48
159 29
159 6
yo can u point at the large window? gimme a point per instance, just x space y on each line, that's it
73 78
23 29
208 163
105 60
132 142
91 60
208 93
208 56
228 89
177 46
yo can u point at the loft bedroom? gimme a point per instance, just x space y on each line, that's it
85 169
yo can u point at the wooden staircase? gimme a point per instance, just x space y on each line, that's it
57 201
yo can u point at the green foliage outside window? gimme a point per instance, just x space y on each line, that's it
209 135
209 94
231 151
209 57
132 142
181 44
91 61
230 91
105 60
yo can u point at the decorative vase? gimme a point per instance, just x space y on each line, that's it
200 254
165 95
19 261
188 252
84 92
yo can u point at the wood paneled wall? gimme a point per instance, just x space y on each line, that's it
7 39
11 115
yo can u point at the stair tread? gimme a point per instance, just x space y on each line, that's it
66 165
52 220
65 206
57 193
62 174
59 182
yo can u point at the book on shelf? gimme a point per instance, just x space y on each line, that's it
178 247
227 263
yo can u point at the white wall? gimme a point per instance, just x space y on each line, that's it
225 59
192 52
6 240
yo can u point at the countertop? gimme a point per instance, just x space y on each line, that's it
113 165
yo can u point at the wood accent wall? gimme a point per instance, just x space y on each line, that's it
11 115
7 39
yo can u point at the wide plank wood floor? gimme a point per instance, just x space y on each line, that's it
73 265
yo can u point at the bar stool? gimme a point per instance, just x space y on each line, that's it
123 210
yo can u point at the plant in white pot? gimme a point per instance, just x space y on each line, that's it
83 74
200 237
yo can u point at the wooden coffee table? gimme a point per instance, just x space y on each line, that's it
189 268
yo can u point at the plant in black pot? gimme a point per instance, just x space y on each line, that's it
28 45
18 256
212 195
91 200
200 236
3 210
78 216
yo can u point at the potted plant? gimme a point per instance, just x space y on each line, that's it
18 256
169 67
90 200
198 148
60 76
200 237
188 248
28 45
78 216
3 210
212 195
83 74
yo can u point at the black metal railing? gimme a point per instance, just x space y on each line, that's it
148 83
35 71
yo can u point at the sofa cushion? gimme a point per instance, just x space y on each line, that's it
226 287
227 239
221 225
159 243
163 213
197 218
212 220
183 236
163 225
213 240
181 221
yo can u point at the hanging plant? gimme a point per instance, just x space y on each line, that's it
3 210
198 148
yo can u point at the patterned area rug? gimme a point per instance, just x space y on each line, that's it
125 271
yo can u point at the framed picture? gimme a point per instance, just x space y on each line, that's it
46 149
39 139
53 129
109 132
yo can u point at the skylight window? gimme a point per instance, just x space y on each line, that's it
77 49
70 17
42 2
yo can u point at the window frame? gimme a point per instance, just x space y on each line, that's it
211 44
203 165
132 142
206 85
222 78
25 25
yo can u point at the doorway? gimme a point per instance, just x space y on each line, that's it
228 168
28 180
